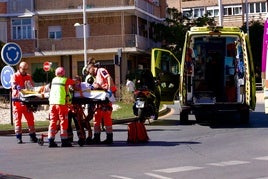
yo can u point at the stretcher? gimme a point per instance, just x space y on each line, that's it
87 97
33 99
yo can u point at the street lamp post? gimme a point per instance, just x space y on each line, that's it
84 32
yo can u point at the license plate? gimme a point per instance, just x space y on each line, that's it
139 104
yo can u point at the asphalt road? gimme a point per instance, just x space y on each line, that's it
223 149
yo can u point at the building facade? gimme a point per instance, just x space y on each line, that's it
234 12
48 31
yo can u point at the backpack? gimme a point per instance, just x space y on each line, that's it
137 133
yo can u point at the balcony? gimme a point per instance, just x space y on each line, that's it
97 42
51 6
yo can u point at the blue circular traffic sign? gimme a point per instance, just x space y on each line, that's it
6 76
11 53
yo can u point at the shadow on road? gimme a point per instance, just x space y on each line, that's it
154 143
257 120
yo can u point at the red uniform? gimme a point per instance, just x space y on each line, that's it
18 82
103 111
58 101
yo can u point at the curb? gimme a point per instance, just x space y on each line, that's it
162 112
165 110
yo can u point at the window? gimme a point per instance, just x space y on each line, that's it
263 6
251 7
216 12
213 11
187 13
237 10
22 28
257 7
228 11
54 32
233 10
198 12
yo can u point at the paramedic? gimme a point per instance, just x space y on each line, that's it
59 101
102 81
20 80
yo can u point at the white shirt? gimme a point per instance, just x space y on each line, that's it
130 86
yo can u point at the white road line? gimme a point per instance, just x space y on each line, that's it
121 177
228 163
262 158
157 176
179 169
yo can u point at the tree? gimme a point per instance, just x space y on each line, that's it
172 32
256 37
40 76
2 64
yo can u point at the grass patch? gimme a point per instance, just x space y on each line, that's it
38 124
124 111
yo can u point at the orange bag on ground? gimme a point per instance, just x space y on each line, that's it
137 133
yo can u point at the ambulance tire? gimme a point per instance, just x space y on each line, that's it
184 117
244 116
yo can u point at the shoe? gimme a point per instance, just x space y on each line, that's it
66 143
51 143
81 142
33 138
89 141
19 138
96 139
19 141
108 140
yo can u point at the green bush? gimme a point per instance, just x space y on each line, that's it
41 76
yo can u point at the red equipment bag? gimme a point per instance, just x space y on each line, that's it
137 133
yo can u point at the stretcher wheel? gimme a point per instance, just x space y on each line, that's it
40 141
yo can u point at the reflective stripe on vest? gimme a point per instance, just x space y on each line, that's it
58 92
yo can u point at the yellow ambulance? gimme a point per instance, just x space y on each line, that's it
215 74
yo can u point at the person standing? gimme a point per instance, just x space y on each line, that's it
20 80
102 81
59 101
130 86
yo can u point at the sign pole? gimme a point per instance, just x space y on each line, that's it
11 55
11 107
46 68
47 77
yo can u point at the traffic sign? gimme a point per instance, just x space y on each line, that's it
11 53
6 76
46 66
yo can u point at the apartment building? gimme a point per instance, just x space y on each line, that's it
234 12
47 30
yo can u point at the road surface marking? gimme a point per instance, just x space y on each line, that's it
179 169
121 177
157 176
262 158
228 163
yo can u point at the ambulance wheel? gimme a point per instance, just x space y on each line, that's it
184 118
244 116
